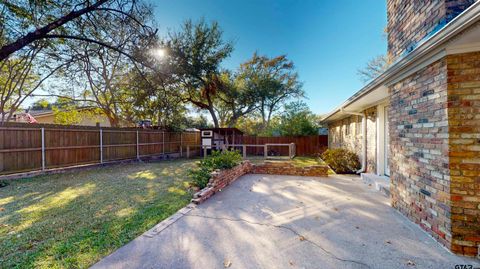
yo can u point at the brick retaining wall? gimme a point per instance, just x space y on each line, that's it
285 168
220 179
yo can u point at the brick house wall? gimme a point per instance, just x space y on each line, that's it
434 130
464 150
419 173
435 150
347 133
409 21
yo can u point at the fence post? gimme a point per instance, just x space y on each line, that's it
43 148
244 151
205 152
101 146
181 144
163 143
265 152
138 148
188 152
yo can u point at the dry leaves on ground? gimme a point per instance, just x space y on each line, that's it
227 263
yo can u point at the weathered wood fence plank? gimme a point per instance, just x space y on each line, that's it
63 146
305 145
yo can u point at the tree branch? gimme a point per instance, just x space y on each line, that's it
40 33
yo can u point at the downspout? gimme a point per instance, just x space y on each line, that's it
364 138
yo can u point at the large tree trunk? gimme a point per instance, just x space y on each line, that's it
114 121
233 121
214 117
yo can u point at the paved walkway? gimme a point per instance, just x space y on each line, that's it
264 221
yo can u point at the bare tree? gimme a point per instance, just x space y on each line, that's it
374 68
21 76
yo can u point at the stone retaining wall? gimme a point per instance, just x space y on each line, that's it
222 178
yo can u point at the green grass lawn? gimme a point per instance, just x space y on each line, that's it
74 219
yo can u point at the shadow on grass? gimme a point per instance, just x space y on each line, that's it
72 220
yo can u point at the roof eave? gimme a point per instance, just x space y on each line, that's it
457 25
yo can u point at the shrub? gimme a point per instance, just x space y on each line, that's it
342 161
200 176
3 183
218 160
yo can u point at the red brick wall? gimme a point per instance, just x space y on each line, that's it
435 150
464 144
221 179
420 182
409 21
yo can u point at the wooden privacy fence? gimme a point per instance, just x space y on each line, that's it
244 148
40 147
304 145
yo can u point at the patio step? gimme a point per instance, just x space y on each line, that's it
381 183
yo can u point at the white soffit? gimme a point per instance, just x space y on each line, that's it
467 41
370 99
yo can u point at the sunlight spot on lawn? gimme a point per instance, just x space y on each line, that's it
176 190
7 200
167 172
125 212
34 213
147 174
60 199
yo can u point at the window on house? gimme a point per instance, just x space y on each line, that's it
347 127
358 125
338 134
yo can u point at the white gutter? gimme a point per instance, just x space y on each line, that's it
454 27
364 138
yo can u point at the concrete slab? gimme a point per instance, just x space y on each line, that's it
268 221
381 183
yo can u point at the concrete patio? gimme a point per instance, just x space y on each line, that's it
265 221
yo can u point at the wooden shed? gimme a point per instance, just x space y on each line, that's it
220 138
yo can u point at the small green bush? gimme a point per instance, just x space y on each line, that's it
218 160
342 161
200 176
3 183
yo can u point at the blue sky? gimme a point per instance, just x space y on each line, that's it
327 40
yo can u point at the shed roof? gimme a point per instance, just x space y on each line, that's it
222 130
